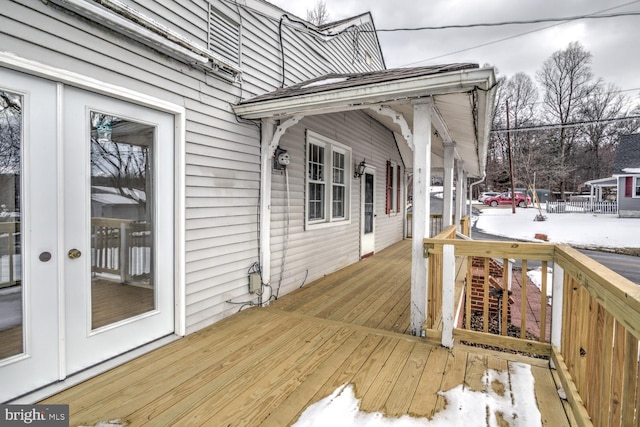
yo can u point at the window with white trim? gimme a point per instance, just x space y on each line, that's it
393 187
636 186
328 181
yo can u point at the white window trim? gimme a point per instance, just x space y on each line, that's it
330 146
636 183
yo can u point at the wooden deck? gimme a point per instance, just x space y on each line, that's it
265 366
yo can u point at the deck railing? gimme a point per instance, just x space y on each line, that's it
10 272
121 248
435 225
589 326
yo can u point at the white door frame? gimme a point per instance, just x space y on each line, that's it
368 240
86 346
63 77
38 363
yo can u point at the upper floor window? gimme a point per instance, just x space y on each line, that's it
224 36
328 181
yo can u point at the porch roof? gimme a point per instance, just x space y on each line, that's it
603 182
461 94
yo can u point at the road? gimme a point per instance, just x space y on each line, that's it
625 265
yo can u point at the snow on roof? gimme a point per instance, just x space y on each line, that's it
631 170
514 398
325 82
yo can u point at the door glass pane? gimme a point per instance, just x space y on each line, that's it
11 302
368 203
122 241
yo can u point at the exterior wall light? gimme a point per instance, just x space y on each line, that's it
359 170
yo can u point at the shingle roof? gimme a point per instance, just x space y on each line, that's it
627 154
334 81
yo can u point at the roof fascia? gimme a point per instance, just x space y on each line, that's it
359 97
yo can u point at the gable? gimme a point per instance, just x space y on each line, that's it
627 155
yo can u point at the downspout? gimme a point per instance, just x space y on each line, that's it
484 175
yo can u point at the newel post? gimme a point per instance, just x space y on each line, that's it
448 289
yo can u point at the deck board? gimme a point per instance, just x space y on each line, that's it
265 366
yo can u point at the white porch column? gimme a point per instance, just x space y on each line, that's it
421 213
460 194
447 209
268 130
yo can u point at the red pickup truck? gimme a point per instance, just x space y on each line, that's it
505 199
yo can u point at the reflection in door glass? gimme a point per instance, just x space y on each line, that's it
122 240
11 303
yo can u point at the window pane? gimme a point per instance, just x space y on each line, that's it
316 201
368 203
11 316
338 168
338 201
122 239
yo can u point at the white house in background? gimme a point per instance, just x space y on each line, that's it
192 103
626 170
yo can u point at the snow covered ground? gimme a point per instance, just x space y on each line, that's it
516 403
579 229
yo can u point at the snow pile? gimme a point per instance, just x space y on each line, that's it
535 276
506 397
586 230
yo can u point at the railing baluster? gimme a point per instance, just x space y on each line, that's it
543 304
523 301
630 375
505 296
467 301
485 297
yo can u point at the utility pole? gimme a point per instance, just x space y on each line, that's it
513 185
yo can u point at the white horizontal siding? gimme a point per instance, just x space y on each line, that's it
222 154
186 17
314 253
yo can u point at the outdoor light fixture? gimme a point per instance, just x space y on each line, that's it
359 170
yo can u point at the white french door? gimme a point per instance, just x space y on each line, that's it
368 213
87 273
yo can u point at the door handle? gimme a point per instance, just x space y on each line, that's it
74 253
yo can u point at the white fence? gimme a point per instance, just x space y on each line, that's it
582 206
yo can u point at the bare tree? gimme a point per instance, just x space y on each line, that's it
567 82
521 94
604 103
319 15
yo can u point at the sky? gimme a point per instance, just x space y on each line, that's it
611 41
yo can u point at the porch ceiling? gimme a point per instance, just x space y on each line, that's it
462 96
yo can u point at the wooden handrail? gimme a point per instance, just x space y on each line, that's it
595 324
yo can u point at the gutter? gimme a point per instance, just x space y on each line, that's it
116 15
484 175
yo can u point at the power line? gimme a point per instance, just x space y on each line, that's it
516 35
503 23
563 125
